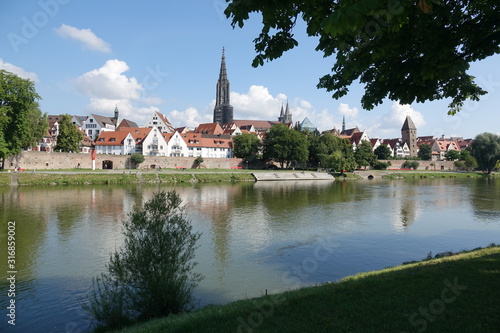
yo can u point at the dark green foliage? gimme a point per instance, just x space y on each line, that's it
397 49
69 137
470 162
136 159
247 146
486 149
197 162
383 152
411 165
151 275
285 146
338 155
452 155
425 152
364 155
381 165
20 117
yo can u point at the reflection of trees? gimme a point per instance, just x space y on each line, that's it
485 199
31 229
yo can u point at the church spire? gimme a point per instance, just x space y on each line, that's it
343 123
223 112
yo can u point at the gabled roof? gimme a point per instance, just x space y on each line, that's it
196 140
259 125
163 118
104 120
356 137
445 145
392 143
127 123
349 132
374 142
209 128
114 138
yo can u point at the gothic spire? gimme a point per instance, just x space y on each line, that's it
223 112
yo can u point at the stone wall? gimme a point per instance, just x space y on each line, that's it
424 165
53 160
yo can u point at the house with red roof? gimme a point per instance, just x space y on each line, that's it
441 147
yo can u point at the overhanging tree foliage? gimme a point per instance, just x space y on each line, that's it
404 50
19 113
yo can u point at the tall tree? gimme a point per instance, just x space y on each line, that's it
247 146
383 152
285 146
17 107
452 155
396 49
364 154
39 124
486 149
340 158
69 137
425 152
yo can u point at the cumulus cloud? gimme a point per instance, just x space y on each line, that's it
348 112
392 121
18 71
109 82
85 36
189 117
257 103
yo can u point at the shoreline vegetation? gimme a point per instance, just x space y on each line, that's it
104 177
455 293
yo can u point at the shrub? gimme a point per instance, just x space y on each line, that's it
151 275
381 165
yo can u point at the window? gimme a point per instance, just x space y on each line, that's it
90 132
91 120
113 140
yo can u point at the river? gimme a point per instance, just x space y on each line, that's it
256 237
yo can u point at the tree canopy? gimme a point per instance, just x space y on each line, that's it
247 146
69 137
486 149
383 152
425 152
21 124
364 154
285 146
398 49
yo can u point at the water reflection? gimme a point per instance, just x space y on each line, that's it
253 233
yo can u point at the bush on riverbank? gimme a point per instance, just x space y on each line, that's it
74 179
452 294
432 174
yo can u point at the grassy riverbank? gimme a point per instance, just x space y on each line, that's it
126 177
453 294
435 174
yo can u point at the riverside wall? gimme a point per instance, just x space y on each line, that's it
54 160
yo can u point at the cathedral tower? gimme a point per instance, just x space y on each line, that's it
223 111
409 135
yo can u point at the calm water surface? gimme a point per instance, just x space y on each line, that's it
265 236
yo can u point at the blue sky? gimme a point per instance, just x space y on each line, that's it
88 56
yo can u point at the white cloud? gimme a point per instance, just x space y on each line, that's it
189 117
85 36
389 125
18 71
108 86
257 103
348 112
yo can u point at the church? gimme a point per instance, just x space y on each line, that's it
223 110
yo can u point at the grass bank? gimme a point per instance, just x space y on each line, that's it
453 294
45 179
435 174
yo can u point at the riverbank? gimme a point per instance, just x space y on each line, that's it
100 177
458 293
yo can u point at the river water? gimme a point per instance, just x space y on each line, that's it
256 237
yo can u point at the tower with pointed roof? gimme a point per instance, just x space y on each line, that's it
223 111
409 135
343 124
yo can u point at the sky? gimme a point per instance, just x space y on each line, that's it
150 55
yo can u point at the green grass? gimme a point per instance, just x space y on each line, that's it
74 179
223 177
175 177
5 179
414 297
435 174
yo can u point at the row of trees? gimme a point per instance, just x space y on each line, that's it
289 147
